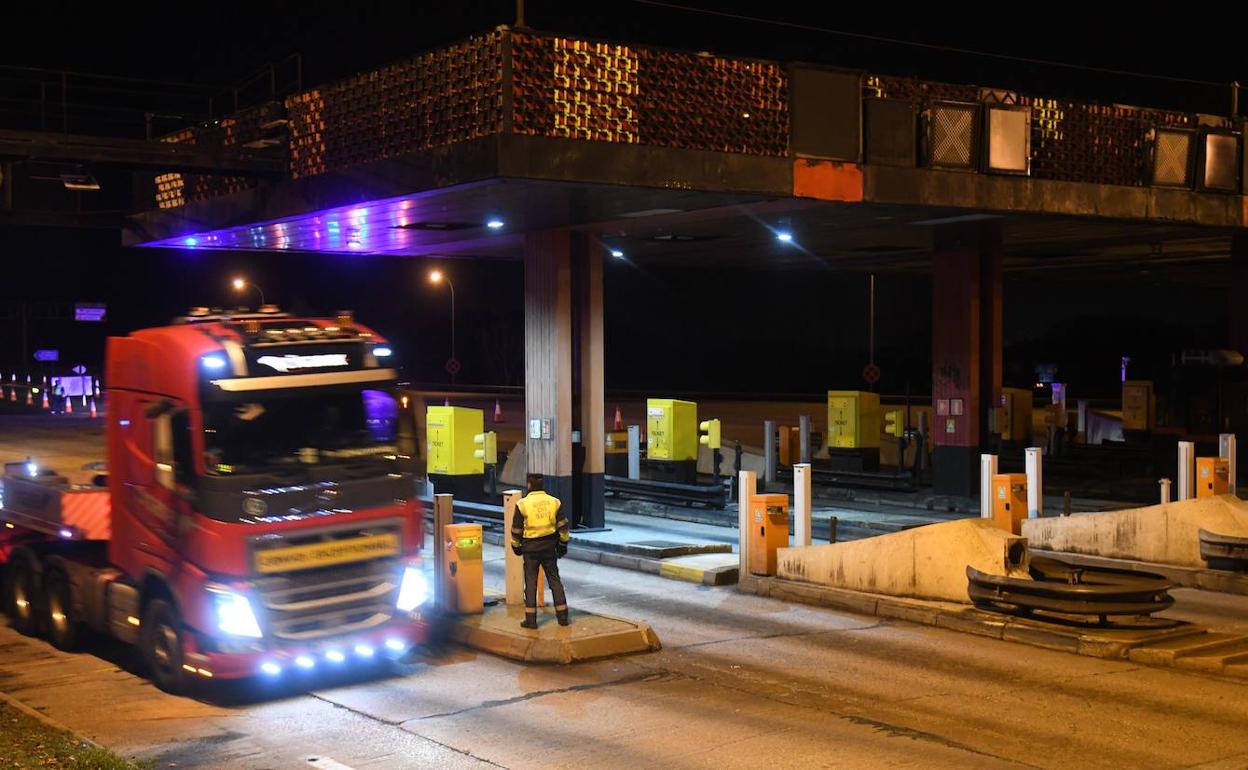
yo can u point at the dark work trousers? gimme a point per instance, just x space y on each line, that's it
540 553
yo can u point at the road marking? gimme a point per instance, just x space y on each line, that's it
325 763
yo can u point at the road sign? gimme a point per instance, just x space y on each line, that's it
89 311
871 373
453 366
79 369
47 355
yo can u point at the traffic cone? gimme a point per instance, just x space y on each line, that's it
93 414
45 398
446 402
30 398
69 405
498 411
619 419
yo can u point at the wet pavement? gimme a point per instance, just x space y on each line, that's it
742 681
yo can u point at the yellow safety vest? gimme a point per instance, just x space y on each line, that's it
540 511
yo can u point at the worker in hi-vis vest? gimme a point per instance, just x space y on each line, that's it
539 532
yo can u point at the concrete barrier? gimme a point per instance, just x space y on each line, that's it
926 562
1164 534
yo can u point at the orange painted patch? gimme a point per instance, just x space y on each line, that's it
827 180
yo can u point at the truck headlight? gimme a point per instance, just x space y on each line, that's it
414 590
234 614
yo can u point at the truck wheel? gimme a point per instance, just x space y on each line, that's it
64 629
161 642
24 584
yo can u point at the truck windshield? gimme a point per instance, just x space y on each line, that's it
256 431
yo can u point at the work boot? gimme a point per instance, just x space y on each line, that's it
530 621
563 617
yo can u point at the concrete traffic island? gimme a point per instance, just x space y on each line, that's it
1161 534
589 636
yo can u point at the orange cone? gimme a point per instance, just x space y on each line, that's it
93 414
619 419
498 411
30 398
45 398
69 405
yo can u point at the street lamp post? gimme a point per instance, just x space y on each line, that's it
436 277
241 283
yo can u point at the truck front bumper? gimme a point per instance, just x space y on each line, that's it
331 654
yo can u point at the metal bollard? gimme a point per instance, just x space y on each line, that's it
1035 482
831 529
801 504
1227 449
1187 477
987 469
1165 490
803 429
634 452
769 453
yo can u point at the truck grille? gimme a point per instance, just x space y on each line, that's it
314 603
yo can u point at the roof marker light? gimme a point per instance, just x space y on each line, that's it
495 224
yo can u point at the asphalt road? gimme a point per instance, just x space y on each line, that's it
742 681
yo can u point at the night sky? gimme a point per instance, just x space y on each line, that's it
1082 322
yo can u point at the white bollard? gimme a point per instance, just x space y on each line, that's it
1187 476
513 566
1035 482
634 452
747 482
1165 490
443 508
769 453
801 504
1226 448
987 469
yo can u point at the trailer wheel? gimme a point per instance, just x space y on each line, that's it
161 642
26 597
64 628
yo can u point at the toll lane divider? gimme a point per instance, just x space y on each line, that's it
1182 646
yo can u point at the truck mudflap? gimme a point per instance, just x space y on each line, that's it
334 655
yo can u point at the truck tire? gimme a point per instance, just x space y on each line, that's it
60 620
161 643
26 597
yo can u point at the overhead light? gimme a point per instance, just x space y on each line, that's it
617 253
495 224
80 182
784 236
190 241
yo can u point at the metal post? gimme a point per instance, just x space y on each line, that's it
634 452
769 452
1035 483
801 504
987 469
803 437
746 482
1227 449
443 506
1165 490
920 458
513 565
1187 460
1083 418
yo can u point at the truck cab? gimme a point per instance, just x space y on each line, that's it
261 518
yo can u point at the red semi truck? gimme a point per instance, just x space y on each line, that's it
258 516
